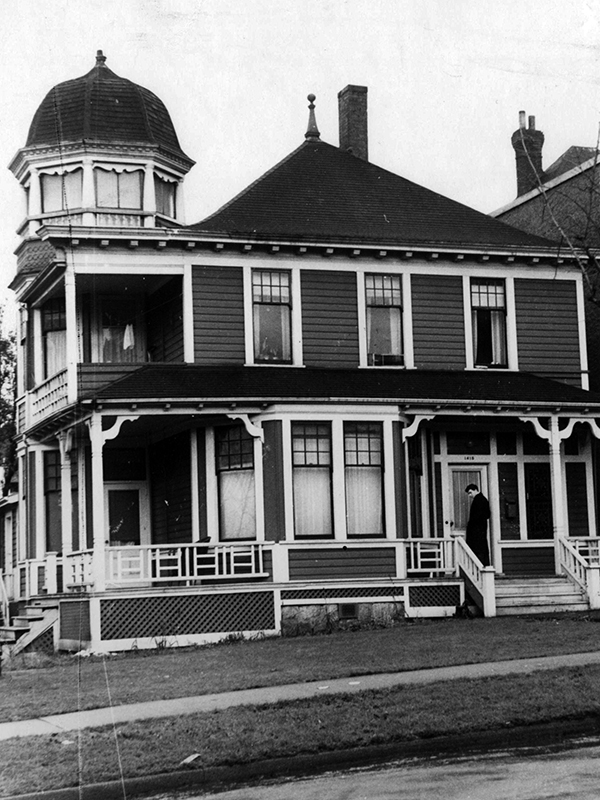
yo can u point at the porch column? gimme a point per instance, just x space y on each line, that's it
72 337
98 558
66 503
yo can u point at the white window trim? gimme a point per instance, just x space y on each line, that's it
407 339
296 315
511 326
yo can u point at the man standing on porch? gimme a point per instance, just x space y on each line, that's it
477 525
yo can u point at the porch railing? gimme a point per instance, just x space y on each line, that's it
429 557
78 570
579 560
482 578
183 562
49 396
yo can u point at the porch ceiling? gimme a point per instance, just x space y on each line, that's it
162 383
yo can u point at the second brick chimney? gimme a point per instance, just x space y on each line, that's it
352 105
528 144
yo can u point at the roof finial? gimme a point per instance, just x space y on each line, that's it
100 58
312 133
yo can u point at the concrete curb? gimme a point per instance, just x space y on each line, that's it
557 735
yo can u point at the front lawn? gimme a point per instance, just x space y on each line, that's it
246 734
155 675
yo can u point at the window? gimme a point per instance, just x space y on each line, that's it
363 450
311 459
488 306
235 469
52 501
62 192
54 336
164 192
118 189
272 316
121 340
384 319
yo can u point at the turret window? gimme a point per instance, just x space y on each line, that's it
118 189
61 192
165 197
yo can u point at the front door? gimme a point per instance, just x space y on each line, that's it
460 477
126 514
538 501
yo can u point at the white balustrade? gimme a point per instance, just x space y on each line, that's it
430 557
78 571
49 396
579 560
482 578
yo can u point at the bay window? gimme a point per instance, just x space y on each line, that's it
384 319
272 316
488 310
235 471
363 459
311 460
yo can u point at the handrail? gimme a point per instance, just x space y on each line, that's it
574 565
482 578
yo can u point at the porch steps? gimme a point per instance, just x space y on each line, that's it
25 628
537 596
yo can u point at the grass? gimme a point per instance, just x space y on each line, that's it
71 682
243 735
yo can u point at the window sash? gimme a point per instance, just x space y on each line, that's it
313 511
62 192
384 335
118 189
237 504
489 337
364 501
272 333
164 193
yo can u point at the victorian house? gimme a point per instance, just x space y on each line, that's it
265 421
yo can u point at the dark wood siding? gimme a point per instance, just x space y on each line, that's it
273 482
438 321
218 297
528 561
547 329
400 482
171 490
93 377
165 323
577 508
359 562
329 319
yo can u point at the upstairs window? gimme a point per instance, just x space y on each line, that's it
235 470
384 320
488 309
272 316
363 451
311 453
54 336
61 192
165 197
118 189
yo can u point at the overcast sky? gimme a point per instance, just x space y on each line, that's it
446 81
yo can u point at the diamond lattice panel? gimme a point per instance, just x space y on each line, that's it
344 591
434 596
147 617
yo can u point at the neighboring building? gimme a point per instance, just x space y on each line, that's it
561 203
267 420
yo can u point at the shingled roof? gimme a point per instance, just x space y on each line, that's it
321 193
263 384
103 107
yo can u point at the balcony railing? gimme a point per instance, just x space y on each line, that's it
48 397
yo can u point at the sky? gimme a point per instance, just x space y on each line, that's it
446 81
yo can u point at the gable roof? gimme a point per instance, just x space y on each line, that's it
321 193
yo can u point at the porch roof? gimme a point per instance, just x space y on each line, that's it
190 382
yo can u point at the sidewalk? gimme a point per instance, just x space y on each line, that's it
60 723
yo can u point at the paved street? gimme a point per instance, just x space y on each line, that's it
558 776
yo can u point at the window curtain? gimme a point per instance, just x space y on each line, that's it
55 352
237 504
364 501
312 501
272 335
384 330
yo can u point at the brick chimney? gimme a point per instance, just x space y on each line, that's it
352 105
528 144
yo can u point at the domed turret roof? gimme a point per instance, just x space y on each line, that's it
103 107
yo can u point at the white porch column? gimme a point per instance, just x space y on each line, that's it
99 534
66 501
72 337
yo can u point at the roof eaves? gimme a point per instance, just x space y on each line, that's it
525 198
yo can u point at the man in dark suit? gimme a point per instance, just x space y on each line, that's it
477 524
